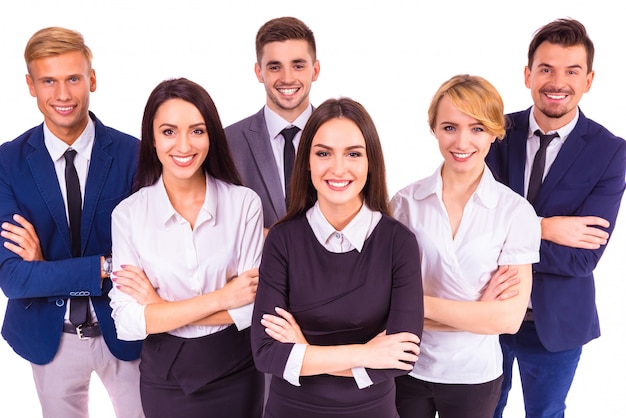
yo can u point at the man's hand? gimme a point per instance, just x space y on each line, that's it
23 239
575 231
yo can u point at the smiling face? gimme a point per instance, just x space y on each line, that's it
339 166
181 140
463 140
557 80
287 70
61 84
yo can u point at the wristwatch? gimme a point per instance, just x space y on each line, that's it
107 265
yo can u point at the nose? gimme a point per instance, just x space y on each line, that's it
63 91
463 139
287 75
339 165
183 145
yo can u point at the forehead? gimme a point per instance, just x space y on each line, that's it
449 113
73 62
560 56
339 132
177 110
286 51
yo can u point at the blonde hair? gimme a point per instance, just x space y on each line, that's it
474 96
54 41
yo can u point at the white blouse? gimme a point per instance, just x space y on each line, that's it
498 227
180 262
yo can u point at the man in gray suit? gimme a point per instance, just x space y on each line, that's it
263 144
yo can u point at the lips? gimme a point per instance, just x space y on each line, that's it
289 91
182 160
338 184
64 109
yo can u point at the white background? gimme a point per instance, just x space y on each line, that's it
389 55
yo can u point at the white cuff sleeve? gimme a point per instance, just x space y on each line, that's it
294 364
242 316
361 377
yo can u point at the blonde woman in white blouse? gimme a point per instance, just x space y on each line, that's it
467 226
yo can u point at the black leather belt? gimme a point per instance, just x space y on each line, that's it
83 331
528 316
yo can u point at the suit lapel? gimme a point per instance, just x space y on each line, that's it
43 171
517 153
569 152
99 167
259 142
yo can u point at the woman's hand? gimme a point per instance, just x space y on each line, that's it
240 290
134 282
283 328
395 351
500 286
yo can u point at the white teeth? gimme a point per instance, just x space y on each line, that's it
555 97
457 155
338 183
183 160
63 109
287 91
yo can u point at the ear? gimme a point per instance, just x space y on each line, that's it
316 70
31 85
257 71
527 76
92 80
590 76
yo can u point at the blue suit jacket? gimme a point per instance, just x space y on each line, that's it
586 179
37 291
250 146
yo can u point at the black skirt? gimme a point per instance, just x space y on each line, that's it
211 376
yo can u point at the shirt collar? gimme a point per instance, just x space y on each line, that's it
83 144
486 192
166 212
275 123
356 232
563 131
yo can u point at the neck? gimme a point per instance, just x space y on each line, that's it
339 216
183 192
461 183
289 115
547 124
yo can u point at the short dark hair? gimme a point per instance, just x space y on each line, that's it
218 163
302 193
283 29
565 32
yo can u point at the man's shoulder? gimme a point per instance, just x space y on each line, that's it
18 145
234 130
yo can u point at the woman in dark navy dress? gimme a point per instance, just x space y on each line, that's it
339 307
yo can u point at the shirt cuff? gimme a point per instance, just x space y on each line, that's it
361 377
294 364
242 316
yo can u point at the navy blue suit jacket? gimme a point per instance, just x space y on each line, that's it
250 146
37 291
586 179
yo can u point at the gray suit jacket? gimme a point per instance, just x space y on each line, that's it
252 152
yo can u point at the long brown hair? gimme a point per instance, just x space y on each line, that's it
302 193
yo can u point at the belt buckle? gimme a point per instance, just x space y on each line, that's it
79 333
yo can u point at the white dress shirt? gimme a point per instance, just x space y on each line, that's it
275 124
83 146
180 262
532 146
498 227
352 237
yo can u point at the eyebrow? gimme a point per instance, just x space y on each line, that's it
351 147
552 66
294 61
171 125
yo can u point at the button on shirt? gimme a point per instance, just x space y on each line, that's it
83 146
275 124
352 237
181 263
498 227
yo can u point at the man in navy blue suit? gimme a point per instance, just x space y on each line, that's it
59 183
573 172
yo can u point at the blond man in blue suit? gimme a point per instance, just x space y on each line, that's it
46 261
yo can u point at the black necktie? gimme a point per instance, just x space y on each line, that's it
539 163
289 155
79 306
